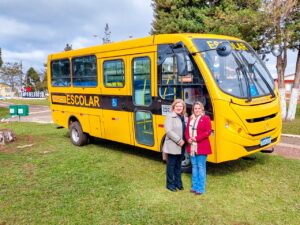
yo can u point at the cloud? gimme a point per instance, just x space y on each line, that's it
30 28
35 58
12 28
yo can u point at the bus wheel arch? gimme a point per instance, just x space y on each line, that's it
78 137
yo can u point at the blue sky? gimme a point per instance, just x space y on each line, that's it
32 29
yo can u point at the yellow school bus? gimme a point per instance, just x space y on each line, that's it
122 92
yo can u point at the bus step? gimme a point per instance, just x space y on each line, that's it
268 150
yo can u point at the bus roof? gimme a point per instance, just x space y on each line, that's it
140 42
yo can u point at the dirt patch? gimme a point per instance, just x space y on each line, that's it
21 140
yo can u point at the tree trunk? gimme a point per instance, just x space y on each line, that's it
6 136
282 102
295 92
280 72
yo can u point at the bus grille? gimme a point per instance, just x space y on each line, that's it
255 147
264 118
254 135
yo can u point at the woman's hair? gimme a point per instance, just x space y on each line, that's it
179 101
201 106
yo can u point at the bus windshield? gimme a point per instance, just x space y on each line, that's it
241 73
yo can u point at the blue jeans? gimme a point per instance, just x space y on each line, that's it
174 171
198 173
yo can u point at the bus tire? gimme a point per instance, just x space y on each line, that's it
78 137
186 166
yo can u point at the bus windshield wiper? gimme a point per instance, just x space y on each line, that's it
259 73
240 81
241 67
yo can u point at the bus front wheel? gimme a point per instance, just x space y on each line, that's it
78 137
186 165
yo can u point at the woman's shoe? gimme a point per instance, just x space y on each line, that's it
172 189
192 191
180 188
198 193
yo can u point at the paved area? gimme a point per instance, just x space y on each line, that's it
289 146
37 113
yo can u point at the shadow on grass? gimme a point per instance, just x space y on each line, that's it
128 149
238 165
214 169
124 148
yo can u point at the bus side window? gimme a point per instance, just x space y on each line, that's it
141 81
84 71
114 73
60 73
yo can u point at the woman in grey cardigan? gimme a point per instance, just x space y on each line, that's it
174 142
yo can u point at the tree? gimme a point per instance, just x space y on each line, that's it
1 61
106 38
10 74
43 84
68 47
293 28
280 14
241 18
32 78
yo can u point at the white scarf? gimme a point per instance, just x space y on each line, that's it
193 133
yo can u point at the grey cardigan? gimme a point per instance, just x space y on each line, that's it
173 128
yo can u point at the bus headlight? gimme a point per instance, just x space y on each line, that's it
233 127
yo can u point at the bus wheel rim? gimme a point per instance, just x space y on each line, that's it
75 135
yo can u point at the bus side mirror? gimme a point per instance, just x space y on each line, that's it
224 49
181 64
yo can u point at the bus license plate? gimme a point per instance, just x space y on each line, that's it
265 141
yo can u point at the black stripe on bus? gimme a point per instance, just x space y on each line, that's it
110 102
114 102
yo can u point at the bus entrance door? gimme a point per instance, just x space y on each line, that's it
142 100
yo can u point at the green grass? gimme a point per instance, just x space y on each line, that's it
110 183
4 112
292 127
29 101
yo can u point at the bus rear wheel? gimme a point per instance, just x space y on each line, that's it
78 137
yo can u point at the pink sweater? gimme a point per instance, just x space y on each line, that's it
203 132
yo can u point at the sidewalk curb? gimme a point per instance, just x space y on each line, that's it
289 146
291 135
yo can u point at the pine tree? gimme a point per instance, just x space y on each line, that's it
241 19
32 78
107 33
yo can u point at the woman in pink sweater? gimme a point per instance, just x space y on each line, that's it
197 135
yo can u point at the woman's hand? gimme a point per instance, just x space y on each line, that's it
181 143
190 140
